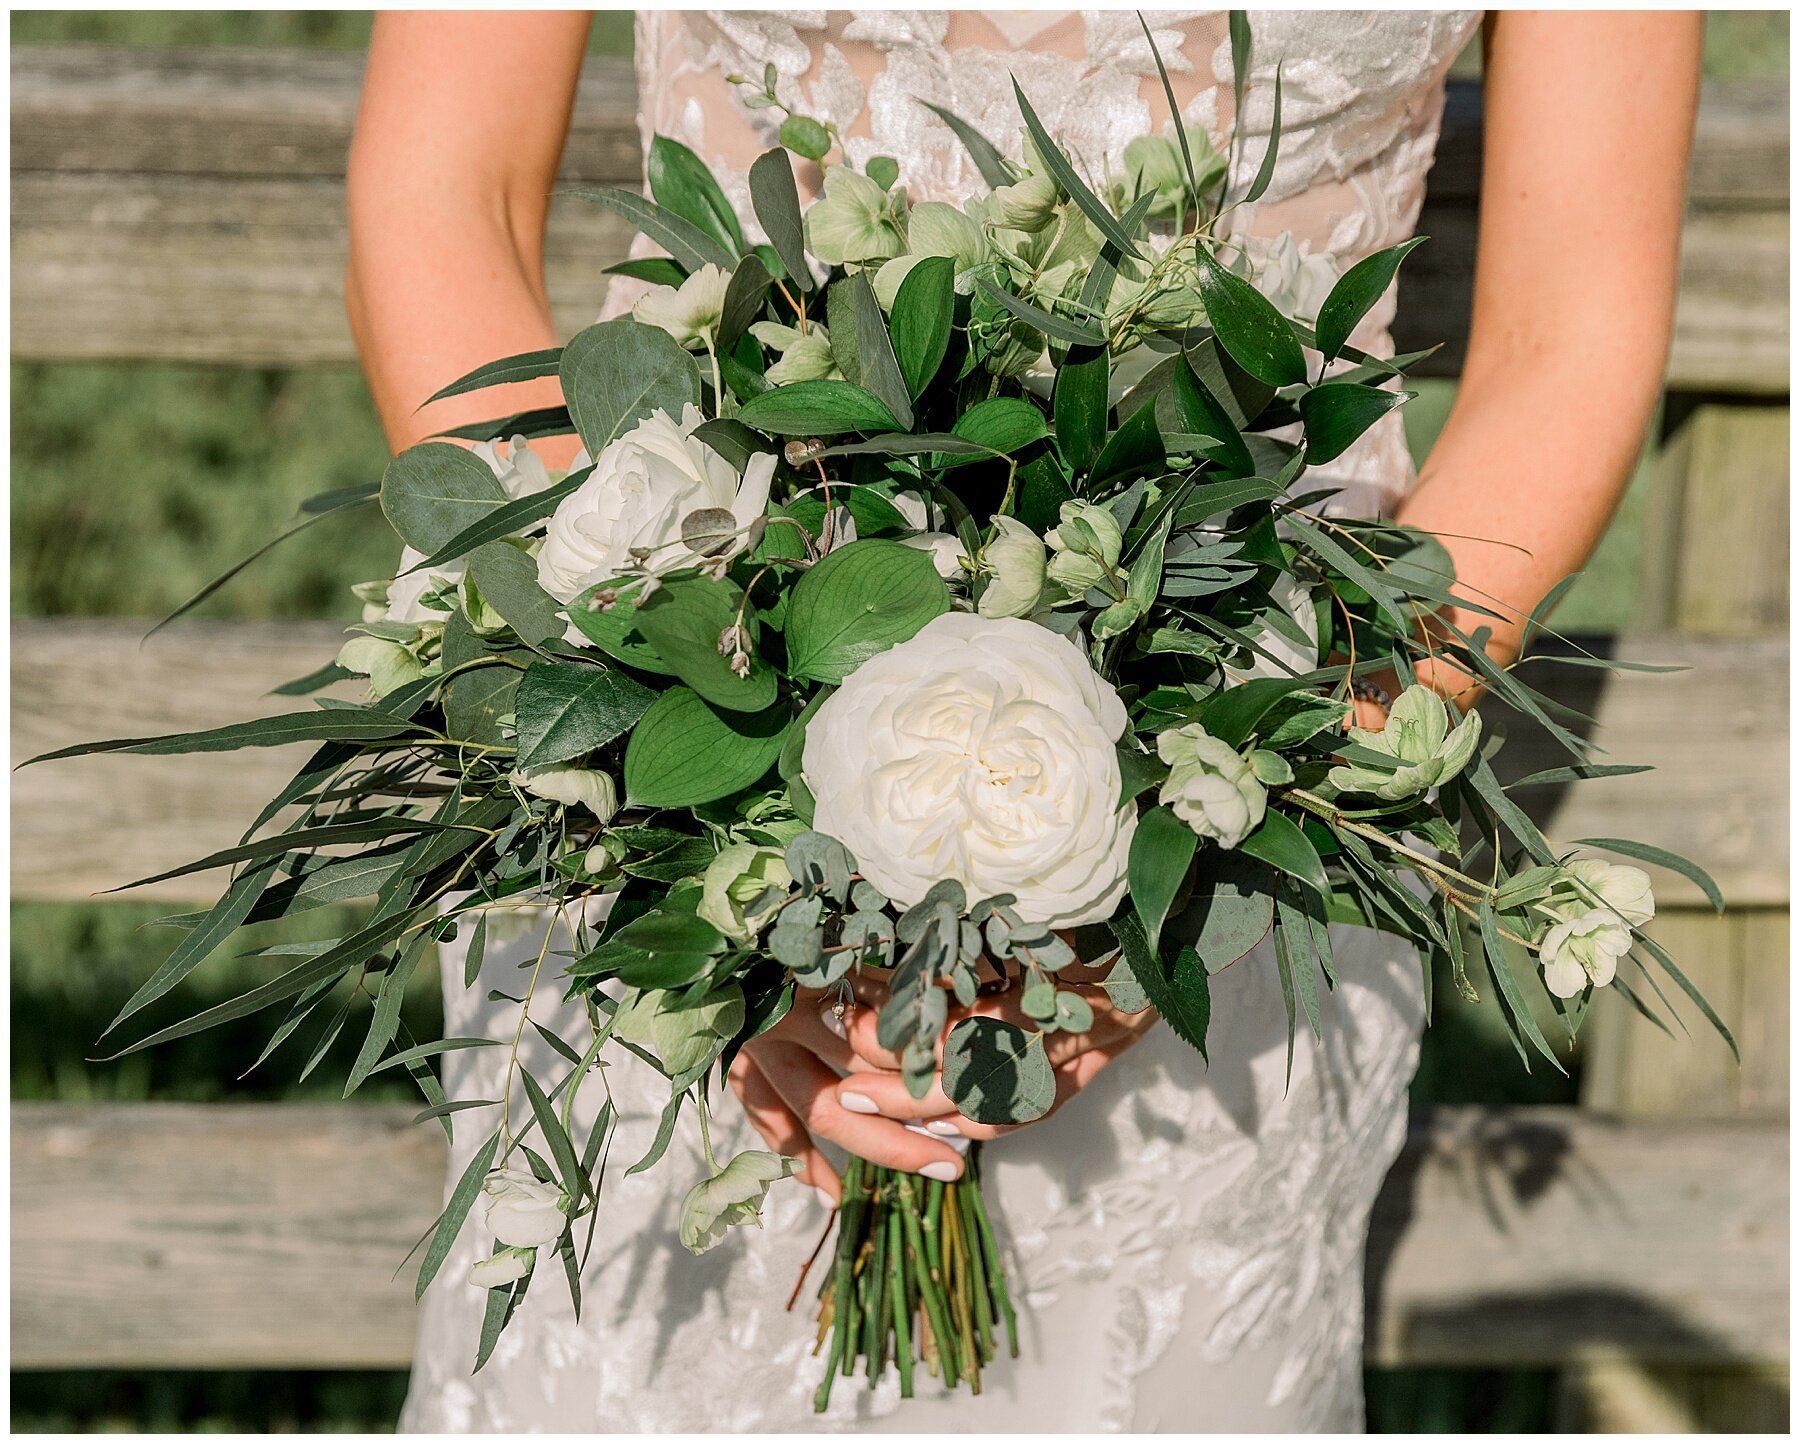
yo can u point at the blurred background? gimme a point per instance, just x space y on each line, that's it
181 381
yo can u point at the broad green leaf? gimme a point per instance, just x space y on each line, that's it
924 308
750 283
1229 913
776 201
567 709
481 691
1162 849
615 631
1135 447
860 600
1064 174
996 1072
337 724
653 270
1232 715
684 619
982 151
1178 990
504 521
684 752
616 373
506 577
681 238
1005 424
1280 843
681 183
1199 411
1336 415
435 490
1242 395
1248 326
817 408
1080 405
878 368
1356 291
527 367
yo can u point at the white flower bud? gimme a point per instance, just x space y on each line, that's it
572 787
1210 787
1015 560
523 1211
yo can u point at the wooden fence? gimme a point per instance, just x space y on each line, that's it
188 206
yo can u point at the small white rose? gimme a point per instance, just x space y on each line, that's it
572 787
981 750
506 1267
1016 562
641 487
1210 787
523 1211
689 312
1583 949
734 879
731 1196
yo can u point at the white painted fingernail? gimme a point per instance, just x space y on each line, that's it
858 1103
942 1171
834 1024
943 1128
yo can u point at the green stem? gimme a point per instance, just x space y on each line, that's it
992 1253
896 1285
926 1273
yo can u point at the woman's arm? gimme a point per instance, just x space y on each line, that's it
457 142
1588 119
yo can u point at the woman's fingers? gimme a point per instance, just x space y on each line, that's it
781 1127
885 1093
809 1088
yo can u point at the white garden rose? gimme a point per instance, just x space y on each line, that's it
627 515
523 1211
981 750
521 472
1210 786
1583 948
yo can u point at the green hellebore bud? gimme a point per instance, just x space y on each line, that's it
387 665
681 1037
1087 544
1015 562
853 221
736 877
731 1196
935 228
1210 787
1425 749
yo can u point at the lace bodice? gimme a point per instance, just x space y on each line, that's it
1362 97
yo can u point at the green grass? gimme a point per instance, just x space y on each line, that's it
272 29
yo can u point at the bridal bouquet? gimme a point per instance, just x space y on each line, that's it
944 590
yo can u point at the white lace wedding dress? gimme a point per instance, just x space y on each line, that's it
1186 1241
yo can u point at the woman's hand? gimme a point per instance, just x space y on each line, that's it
787 1080
877 1088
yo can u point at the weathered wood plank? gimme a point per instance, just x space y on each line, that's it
1716 732
186 205
248 1235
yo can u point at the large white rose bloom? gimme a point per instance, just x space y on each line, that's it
641 488
521 472
981 750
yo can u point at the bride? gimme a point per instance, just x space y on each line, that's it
1253 1319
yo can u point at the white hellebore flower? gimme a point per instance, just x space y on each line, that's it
983 750
1016 561
735 878
642 486
523 1211
521 472
505 1268
1583 949
732 1195
572 787
1086 546
386 664
1210 786
689 312
1295 281
1613 886
805 355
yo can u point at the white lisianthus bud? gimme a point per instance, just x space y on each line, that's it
734 879
982 750
1015 563
1087 546
524 1211
1613 886
387 665
1210 787
946 551
689 312
853 221
1583 949
731 1196
572 787
1026 206
505 1268
601 860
